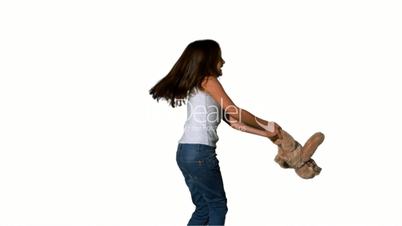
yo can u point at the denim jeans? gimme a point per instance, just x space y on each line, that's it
202 174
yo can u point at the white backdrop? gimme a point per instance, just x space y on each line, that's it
83 143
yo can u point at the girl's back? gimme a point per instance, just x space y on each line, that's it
203 118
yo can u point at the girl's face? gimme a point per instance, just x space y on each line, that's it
220 64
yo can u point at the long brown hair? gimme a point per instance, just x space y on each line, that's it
198 60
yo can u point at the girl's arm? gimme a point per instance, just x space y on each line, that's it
213 87
248 129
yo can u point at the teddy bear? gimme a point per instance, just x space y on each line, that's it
292 155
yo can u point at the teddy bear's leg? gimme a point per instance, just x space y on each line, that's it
311 146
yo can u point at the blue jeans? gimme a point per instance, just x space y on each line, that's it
202 174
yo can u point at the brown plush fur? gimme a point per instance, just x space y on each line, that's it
292 155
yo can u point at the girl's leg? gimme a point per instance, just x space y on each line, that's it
208 182
201 214
185 161
205 182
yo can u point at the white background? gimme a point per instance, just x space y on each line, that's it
83 143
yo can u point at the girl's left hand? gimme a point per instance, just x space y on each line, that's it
274 131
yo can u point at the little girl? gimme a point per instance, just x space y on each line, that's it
194 78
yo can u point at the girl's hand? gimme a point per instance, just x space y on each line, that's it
273 131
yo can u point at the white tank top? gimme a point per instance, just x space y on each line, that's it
203 117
